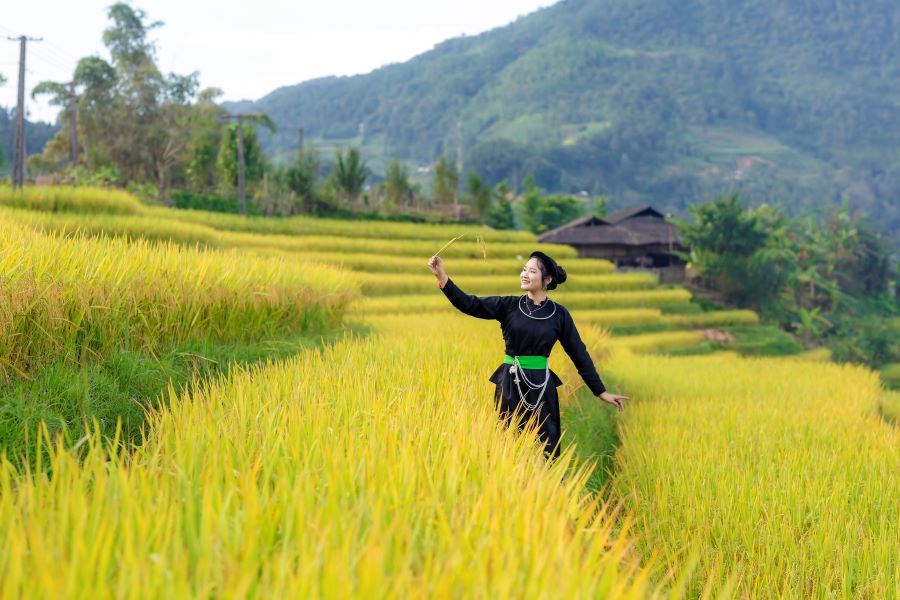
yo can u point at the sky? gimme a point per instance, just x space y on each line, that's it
247 50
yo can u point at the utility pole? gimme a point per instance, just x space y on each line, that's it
300 140
73 125
19 147
240 118
242 198
242 194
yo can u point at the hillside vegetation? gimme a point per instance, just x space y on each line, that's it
664 101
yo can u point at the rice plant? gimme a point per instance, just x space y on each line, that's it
70 199
77 298
778 471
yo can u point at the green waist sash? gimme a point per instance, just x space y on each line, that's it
527 362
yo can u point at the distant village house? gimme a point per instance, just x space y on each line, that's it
637 237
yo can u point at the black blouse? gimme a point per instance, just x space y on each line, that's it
525 336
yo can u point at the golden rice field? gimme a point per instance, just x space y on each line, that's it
394 284
336 474
572 300
375 466
184 231
775 470
69 199
64 297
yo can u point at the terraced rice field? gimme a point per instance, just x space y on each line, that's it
374 466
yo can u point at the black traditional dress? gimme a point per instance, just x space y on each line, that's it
530 330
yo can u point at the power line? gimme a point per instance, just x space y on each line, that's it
51 60
60 52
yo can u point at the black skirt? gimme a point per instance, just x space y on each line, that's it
511 409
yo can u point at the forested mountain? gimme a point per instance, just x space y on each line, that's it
667 101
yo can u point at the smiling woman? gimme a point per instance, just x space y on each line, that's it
532 324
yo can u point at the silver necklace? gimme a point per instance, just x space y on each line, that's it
530 312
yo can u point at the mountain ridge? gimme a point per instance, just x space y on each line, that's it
640 100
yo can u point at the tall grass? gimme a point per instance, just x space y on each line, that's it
776 470
659 341
165 227
70 199
117 225
374 468
712 318
420 249
78 298
304 225
631 321
376 263
436 301
390 284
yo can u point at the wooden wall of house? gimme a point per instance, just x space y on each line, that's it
673 274
629 258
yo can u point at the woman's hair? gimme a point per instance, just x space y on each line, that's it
555 279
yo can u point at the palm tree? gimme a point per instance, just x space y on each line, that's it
350 174
811 325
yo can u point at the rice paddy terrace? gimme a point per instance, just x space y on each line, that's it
370 464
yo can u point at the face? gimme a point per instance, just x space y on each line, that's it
530 278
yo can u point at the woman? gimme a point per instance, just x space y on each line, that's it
531 325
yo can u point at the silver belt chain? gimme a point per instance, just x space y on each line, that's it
516 370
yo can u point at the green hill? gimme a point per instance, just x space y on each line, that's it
642 100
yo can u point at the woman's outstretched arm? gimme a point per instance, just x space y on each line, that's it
577 351
483 307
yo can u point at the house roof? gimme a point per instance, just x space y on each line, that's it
628 212
588 221
632 226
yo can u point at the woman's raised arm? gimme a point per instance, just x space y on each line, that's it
482 307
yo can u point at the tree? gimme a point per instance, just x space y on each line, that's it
858 259
202 151
96 81
554 211
446 181
478 194
149 110
301 177
349 174
57 150
226 162
397 187
725 239
811 324
528 209
597 207
500 214
131 116
542 213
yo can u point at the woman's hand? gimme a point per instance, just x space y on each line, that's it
614 399
436 264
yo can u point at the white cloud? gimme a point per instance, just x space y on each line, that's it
249 49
